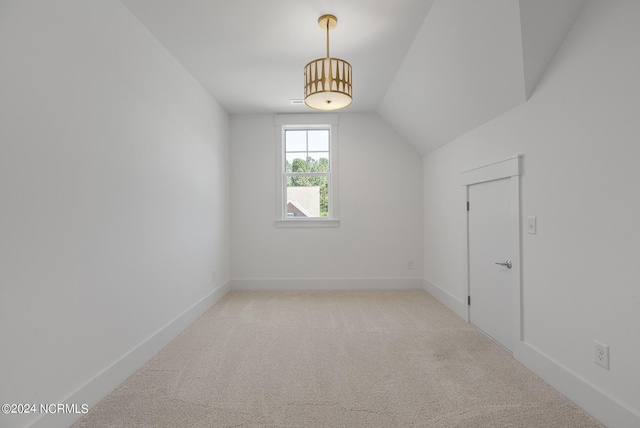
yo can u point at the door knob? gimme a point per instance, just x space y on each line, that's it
507 264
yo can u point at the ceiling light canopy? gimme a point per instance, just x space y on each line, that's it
327 81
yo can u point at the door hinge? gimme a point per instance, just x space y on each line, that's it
467 205
469 300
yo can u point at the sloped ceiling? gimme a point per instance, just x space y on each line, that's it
433 69
470 62
544 24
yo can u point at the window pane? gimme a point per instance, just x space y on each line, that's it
296 162
307 196
319 140
296 140
318 162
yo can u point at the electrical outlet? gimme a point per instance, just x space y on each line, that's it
410 264
213 276
601 354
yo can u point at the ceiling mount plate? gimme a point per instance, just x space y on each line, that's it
331 19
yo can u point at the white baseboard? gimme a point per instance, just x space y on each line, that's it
108 379
327 284
591 399
459 307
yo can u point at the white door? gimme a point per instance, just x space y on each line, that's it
490 284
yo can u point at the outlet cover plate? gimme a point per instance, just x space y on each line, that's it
601 354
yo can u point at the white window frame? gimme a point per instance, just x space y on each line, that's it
307 121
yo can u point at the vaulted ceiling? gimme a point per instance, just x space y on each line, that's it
433 69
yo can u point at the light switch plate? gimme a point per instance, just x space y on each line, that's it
531 225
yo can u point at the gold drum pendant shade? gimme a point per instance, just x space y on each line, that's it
327 81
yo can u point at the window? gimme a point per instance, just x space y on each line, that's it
306 172
306 165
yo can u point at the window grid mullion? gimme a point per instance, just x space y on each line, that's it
305 174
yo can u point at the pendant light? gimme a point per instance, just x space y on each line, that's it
327 81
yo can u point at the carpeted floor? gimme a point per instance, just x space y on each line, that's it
333 359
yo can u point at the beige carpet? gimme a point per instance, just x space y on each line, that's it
333 359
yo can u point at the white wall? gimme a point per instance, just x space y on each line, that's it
579 135
114 200
380 188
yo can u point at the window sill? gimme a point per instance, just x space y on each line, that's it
307 222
